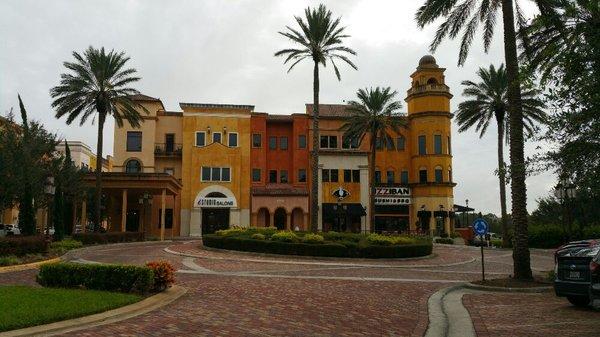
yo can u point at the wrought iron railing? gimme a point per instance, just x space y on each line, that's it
168 149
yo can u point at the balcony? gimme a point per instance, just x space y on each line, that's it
429 88
167 149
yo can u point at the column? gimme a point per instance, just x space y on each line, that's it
163 205
288 221
84 215
304 222
272 219
447 224
124 211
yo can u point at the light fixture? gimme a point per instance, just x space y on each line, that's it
224 130
422 207
49 187
441 207
208 129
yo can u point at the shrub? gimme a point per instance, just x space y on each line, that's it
9 260
312 238
258 236
230 231
546 236
337 236
381 240
23 245
447 241
266 231
591 232
164 274
61 247
109 277
108 237
444 235
286 236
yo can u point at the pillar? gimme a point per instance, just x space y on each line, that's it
163 205
124 211
288 221
447 225
304 222
272 219
83 215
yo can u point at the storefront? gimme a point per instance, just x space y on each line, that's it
342 217
392 209
281 207
215 208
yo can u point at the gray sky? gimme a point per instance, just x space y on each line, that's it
222 52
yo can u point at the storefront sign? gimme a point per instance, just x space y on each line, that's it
215 202
392 191
391 201
340 193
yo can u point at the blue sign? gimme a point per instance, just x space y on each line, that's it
480 227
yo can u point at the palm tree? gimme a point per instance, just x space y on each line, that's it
374 114
319 39
487 101
97 83
466 15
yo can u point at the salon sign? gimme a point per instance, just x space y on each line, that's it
215 202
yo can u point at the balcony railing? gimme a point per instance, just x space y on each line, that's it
428 88
167 149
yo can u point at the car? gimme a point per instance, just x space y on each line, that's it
2 230
595 281
12 230
572 271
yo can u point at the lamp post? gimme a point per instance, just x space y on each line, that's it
564 191
49 190
443 219
421 217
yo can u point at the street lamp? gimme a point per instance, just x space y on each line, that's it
49 190
564 191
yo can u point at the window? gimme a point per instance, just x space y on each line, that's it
329 142
325 174
334 176
390 177
423 175
356 176
256 140
169 170
170 142
449 146
347 176
272 143
168 218
449 174
437 144
233 139
349 142
134 141
215 174
422 145
404 177
377 177
283 143
133 166
438 175
255 175
200 139
400 143
301 175
389 144
283 176
273 176
302 141
216 137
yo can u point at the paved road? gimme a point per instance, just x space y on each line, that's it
237 294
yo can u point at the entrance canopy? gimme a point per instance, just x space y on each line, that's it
153 183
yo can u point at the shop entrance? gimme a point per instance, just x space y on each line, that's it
214 219
391 224
133 221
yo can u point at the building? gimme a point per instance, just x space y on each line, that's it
220 165
83 157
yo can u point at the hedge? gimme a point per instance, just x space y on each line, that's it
22 245
110 277
108 237
337 249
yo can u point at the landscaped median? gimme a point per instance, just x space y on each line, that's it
326 244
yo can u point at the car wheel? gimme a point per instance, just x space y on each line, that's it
579 301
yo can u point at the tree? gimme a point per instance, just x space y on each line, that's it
320 39
487 100
466 15
374 114
98 82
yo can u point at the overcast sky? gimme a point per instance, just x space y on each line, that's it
222 52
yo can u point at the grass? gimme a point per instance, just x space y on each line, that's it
23 306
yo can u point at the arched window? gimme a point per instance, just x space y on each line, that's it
432 81
133 166
449 174
216 195
438 174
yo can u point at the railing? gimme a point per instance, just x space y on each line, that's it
428 88
168 149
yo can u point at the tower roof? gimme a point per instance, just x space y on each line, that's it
428 61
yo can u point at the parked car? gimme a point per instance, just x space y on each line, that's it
572 270
12 230
2 230
595 286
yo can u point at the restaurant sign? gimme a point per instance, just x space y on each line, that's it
392 196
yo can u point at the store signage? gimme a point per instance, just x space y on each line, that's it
391 201
215 202
392 191
340 193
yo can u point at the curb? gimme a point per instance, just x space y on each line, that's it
111 316
507 290
26 266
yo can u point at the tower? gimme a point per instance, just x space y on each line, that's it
429 117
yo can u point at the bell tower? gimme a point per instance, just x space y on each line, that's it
429 117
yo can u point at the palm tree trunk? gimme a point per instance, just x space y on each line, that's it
502 178
97 215
372 181
521 257
314 187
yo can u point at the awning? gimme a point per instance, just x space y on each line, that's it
331 210
391 209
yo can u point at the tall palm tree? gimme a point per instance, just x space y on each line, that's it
319 39
98 83
487 100
374 114
466 15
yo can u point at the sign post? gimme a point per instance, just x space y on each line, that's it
481 228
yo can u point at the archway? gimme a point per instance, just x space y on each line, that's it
263 218
297 219
133 166
216 203
280 218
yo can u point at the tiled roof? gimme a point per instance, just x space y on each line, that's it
330 110
214 105
279 190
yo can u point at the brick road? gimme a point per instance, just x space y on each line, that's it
253 295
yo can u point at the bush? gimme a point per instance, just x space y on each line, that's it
63 246
108 237
386 240
109 277
546 236
230 231
23 245
9 260
312 238
286 236
258 236
591 232
337 236
447 241
164 274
